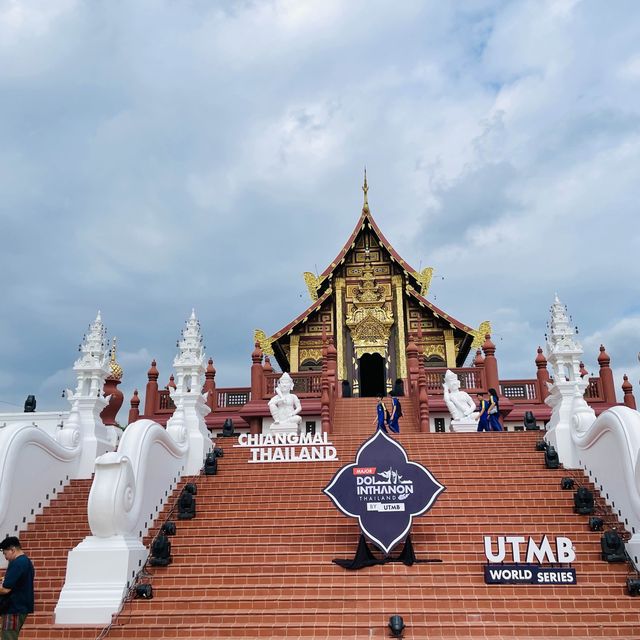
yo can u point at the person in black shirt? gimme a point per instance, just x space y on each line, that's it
17 587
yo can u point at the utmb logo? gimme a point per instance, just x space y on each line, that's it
526 550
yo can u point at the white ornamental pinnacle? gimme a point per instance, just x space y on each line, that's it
561 336
191 351
94 347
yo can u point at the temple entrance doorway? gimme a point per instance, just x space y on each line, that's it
371 375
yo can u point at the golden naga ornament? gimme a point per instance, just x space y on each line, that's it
261 338
424 279
313 284
479 334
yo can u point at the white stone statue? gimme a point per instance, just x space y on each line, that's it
460 404
285 407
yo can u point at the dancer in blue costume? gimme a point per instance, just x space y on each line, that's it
483 413
381 415
494 411
396 414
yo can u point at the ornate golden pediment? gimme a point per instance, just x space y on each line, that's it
369 321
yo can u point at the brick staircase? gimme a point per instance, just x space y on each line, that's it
357 415
60 527
256 561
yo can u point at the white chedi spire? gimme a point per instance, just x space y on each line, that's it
94 347
561 337
190 349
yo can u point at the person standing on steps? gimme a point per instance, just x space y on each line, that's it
382 415
17 588
396 414
483 413
494 411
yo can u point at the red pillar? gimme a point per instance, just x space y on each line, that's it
413 367
627 389
210 386
257 380
606 377
542 374
109 413
423 398
134 412
491 364
151 393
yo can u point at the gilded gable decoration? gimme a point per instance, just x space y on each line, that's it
369 319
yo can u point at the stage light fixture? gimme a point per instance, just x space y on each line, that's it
633 586
551 459
144 591
567 483
396 626
218 452
210 465
169 528
30 404
613 547
227 428
583 502
596 524
530 423
160 551
186 506
541 445
191 488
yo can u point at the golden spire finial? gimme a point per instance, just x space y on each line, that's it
114 367
365 189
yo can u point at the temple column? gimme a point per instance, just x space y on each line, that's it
339 285
294 355
401 336
449 349
606 377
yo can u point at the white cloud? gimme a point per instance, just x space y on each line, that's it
181 154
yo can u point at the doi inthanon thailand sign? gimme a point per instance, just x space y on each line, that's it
384 491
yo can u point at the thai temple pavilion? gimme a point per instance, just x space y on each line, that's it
370 329
368 301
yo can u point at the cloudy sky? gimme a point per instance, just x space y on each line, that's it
161 155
